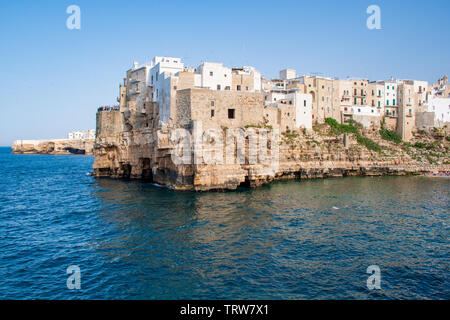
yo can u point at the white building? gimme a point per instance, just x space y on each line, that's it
303 104
287 74
82 135
441 109
366 115
301 101
421 88
214 76
390 93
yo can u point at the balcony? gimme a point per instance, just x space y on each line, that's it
133 80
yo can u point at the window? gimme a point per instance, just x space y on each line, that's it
388 87
230 113
356 92
238 87
359 110
218 87
355 101
393 102
211 73
227 88
174 87
304 103
379 103
323 87
225 75
212 113
387 102
212 103
246 88
156 76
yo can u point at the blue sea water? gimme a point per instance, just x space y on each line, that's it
288 240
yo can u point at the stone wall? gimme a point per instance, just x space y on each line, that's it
425 120
198 104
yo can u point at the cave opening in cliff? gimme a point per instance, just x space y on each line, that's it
126 170
147 173
246 183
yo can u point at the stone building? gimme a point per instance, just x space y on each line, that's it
406 110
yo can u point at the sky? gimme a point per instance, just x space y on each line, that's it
52 79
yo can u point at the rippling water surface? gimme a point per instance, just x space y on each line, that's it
288 240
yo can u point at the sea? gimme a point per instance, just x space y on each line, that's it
67 235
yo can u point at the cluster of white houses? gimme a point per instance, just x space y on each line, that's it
81 135
165 89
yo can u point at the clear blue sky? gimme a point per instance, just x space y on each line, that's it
53 79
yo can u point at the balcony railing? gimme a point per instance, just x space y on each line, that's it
109 108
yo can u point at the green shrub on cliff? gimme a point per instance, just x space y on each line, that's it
390 135
338 128
368 143
353 127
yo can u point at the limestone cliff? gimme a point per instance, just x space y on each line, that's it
146 152
55 146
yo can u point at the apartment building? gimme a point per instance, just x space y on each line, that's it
359 91
324 93
375 95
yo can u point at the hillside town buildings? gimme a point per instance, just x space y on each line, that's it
166 93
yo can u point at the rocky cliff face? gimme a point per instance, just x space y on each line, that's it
56 146
149 154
